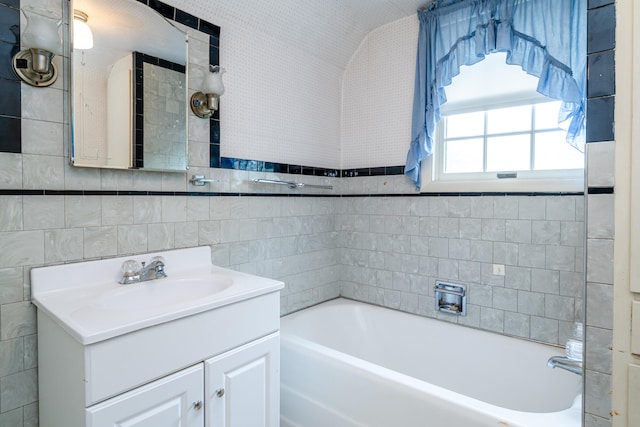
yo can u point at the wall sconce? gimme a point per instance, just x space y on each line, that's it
82 34
42 41
205 103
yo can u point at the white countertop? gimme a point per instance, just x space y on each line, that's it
74 295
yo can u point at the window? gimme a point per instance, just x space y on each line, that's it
497 134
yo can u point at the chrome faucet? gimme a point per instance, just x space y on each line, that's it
132 272
563 362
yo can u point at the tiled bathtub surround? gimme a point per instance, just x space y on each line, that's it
392 250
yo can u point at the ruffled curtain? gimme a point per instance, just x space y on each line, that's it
547 38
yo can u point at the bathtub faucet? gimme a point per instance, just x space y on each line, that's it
571 365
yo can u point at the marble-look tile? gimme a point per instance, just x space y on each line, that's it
113 179
597 397
40 137
601 164
63 245
11 285
17 320
12 418
77 178
33 108
132 239
186 234
517 324
560 258
494 230
531 303
31 415
572 284
544 329
18 248
11 356
30 351
492 319
209 233
11 213
572 233
532 207
561 208
174 209
505 207
599 306
147 210
100 242
10 170
505 253
161 236
519 231
18 389
43 212
545 281
600 260
517 278
598 349
117 210
197 209
600 211
545 232
532 256
559 307
174 181
83 211
591 420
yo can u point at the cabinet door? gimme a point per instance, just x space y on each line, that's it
243 385
173 401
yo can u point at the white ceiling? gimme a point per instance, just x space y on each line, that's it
330 29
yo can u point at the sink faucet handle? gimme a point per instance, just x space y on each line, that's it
130 271
158 263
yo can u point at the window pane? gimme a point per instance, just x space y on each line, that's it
461 125
547 115
508 153
463 156
512 119
553 152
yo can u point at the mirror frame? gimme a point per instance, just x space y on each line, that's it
160 9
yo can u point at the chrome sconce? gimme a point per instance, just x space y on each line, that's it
205 103
42 41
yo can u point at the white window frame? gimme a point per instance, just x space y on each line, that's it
570 180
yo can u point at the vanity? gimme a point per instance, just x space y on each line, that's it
200 347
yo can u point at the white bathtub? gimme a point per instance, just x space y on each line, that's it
345 363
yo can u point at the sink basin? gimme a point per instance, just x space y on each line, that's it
163 293
87 301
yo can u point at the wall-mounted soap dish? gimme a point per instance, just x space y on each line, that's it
451 298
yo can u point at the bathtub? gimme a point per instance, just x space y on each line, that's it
345 363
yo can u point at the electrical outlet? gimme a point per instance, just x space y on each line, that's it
498 269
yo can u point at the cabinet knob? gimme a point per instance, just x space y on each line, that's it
220 392
198 405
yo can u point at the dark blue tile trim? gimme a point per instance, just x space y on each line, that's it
27 192
601 190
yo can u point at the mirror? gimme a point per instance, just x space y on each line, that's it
129 91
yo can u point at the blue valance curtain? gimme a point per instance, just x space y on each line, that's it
547 38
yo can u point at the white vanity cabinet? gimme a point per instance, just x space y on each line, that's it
198 348
242 386
235 348
174 401
238 388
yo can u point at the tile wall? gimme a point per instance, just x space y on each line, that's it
377 248
600 211
392 250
